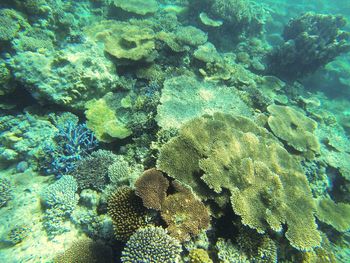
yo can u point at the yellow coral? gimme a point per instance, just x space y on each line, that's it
199 255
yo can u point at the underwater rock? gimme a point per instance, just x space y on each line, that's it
311 41
151 244
267 185
68 77
184 98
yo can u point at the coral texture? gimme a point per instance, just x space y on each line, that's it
199 255
151 244
137 6
5 191
266 183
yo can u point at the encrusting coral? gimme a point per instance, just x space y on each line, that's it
151 244
184 214
267 185
295 128
151 187
127 212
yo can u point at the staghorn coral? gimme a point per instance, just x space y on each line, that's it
295 128
151 187
184 214
137 6
5 191
92 171
127 212
335 214
151 244
84 251
267 185
311 41
199 255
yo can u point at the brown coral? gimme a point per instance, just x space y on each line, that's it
152 187
127 213
184 214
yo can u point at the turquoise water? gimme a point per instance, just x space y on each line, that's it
174 131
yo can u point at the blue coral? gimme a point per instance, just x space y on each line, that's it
73 142
151 244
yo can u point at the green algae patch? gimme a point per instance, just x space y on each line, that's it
103 121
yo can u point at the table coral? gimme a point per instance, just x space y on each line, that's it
267 185
152 187
151 244
127 212
295 128
139 7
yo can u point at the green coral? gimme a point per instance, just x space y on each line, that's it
151 244
103 120
139 7
11 22
267 185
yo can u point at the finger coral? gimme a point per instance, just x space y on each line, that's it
127 212
152 186
151 244
267 185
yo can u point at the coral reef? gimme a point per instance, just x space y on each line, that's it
295 128
199 256
86 250
310 42
137 6
151 187
151 244
266 183
127 212
5 191
11 22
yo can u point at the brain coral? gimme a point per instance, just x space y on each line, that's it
151 244
151 186
139 7
127 212
267 185
294 128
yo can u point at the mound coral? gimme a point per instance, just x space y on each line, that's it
295 128
127 212
184 214
267 185
139 7
311 41
85 250
151 244
151 187
92 171
335 214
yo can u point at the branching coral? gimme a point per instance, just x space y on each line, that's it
127 212
311 41
152 186
151 244
267 186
